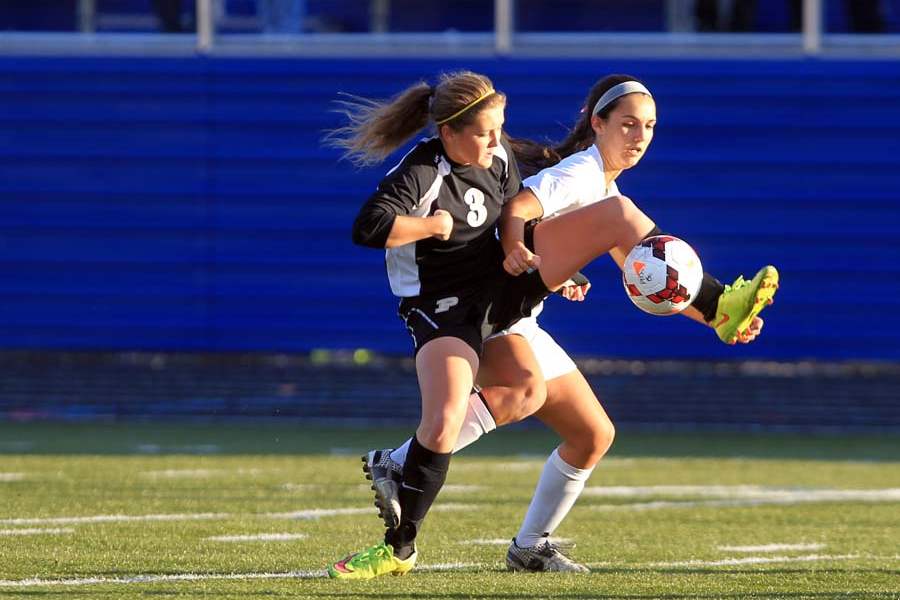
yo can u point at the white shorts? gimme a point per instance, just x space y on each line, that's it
552 359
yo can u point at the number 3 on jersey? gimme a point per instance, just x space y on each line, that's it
477 211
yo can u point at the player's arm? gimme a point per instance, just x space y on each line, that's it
576 288
385 221
406 230
523 207
380 227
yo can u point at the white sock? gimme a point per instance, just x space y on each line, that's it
556 492
478 422
399 453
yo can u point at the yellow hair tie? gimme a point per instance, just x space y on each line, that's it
465 108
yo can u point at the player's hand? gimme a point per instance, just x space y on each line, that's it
575 293
752 332
443 223
521 259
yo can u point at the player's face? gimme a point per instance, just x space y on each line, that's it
625 134
475 143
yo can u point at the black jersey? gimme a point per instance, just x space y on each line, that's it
424 181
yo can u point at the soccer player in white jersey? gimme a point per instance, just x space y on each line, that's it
582 216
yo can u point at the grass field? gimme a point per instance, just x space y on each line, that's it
257 510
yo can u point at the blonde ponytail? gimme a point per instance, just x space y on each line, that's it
375 128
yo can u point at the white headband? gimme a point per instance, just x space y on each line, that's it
617 91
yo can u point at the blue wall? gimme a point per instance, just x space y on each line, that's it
186 204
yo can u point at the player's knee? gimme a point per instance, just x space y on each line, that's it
440 430
626 210
597 443
523 399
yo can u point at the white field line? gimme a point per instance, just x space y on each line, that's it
311 514
516 466
762 498
617 462
507 541
303 487
737 492
456 566
51 531
753 560
184 449
35 582
12 476
308 514
771 547
458 488
186 473
258 537
705 491
318 513
198 473
115 519
453 566
174 577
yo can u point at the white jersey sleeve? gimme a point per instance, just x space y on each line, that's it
576 181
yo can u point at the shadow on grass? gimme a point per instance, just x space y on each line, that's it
227 438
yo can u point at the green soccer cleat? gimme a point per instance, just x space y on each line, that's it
370 563
742 301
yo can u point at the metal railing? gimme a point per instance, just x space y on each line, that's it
503 40
504 11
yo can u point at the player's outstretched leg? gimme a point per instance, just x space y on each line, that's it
370 563
742 301
385 475
543 557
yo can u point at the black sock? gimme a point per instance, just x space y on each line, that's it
655 231
707 300
424 473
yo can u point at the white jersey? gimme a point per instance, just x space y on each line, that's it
573 183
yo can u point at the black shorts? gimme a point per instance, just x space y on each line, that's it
476 313
460 315
518 295
514 300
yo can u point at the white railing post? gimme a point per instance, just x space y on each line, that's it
87 10
205 25
503 25
379 15
812 26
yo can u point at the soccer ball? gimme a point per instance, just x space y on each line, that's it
662 275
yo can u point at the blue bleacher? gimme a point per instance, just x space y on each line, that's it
186 203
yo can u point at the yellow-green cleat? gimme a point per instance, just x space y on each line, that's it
370 563
742 301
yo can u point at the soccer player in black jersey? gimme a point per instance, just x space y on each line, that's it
435 213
